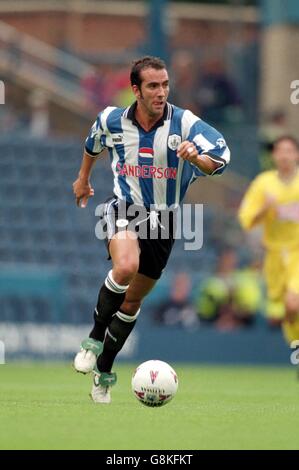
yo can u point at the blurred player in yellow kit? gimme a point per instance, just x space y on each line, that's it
272 200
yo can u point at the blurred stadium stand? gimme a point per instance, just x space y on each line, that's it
51 263
57 46
34 63
40 224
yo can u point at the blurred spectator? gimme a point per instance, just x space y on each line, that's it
217 95
183 89
177 309
39 125
231 297
121 87
274 127
94 88
107 85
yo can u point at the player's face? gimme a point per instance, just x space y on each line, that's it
286 155
153 92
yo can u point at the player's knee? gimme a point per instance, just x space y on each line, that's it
292 304
292 307
125 269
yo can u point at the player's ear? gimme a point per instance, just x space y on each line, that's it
136 90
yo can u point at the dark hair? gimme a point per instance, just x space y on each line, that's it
283 138
144 63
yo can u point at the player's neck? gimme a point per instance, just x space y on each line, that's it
145 119
286 176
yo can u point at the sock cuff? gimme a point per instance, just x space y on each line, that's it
114 286
127 318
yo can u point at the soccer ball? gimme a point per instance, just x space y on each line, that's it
154 383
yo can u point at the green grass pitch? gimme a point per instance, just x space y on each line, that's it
46 406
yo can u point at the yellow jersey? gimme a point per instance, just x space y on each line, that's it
281 226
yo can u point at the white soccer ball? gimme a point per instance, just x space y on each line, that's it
154 383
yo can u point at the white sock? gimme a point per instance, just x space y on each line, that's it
127 318
112 285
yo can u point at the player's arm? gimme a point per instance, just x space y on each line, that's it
82 187
270 204
94 145
188 151
255 205
204 147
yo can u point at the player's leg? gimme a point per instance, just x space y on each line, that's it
275 277
292 306
118 331
291 300
154 254
290 324
124 320
153 258
124 251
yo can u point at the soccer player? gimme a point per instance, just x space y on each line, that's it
157 150
272 200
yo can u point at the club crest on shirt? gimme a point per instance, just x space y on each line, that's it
174 141
220 143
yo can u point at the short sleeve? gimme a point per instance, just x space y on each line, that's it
95 141
210 142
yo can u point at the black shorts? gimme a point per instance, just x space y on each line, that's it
155 232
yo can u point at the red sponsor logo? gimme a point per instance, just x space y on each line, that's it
289 212
146 171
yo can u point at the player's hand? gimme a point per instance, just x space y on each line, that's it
270 202
83 191
187 151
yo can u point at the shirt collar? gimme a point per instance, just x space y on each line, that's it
130 114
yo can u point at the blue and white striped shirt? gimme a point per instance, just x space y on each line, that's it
145 165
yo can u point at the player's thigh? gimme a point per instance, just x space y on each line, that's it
293 274
275 276
124 248
139 288
292 302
